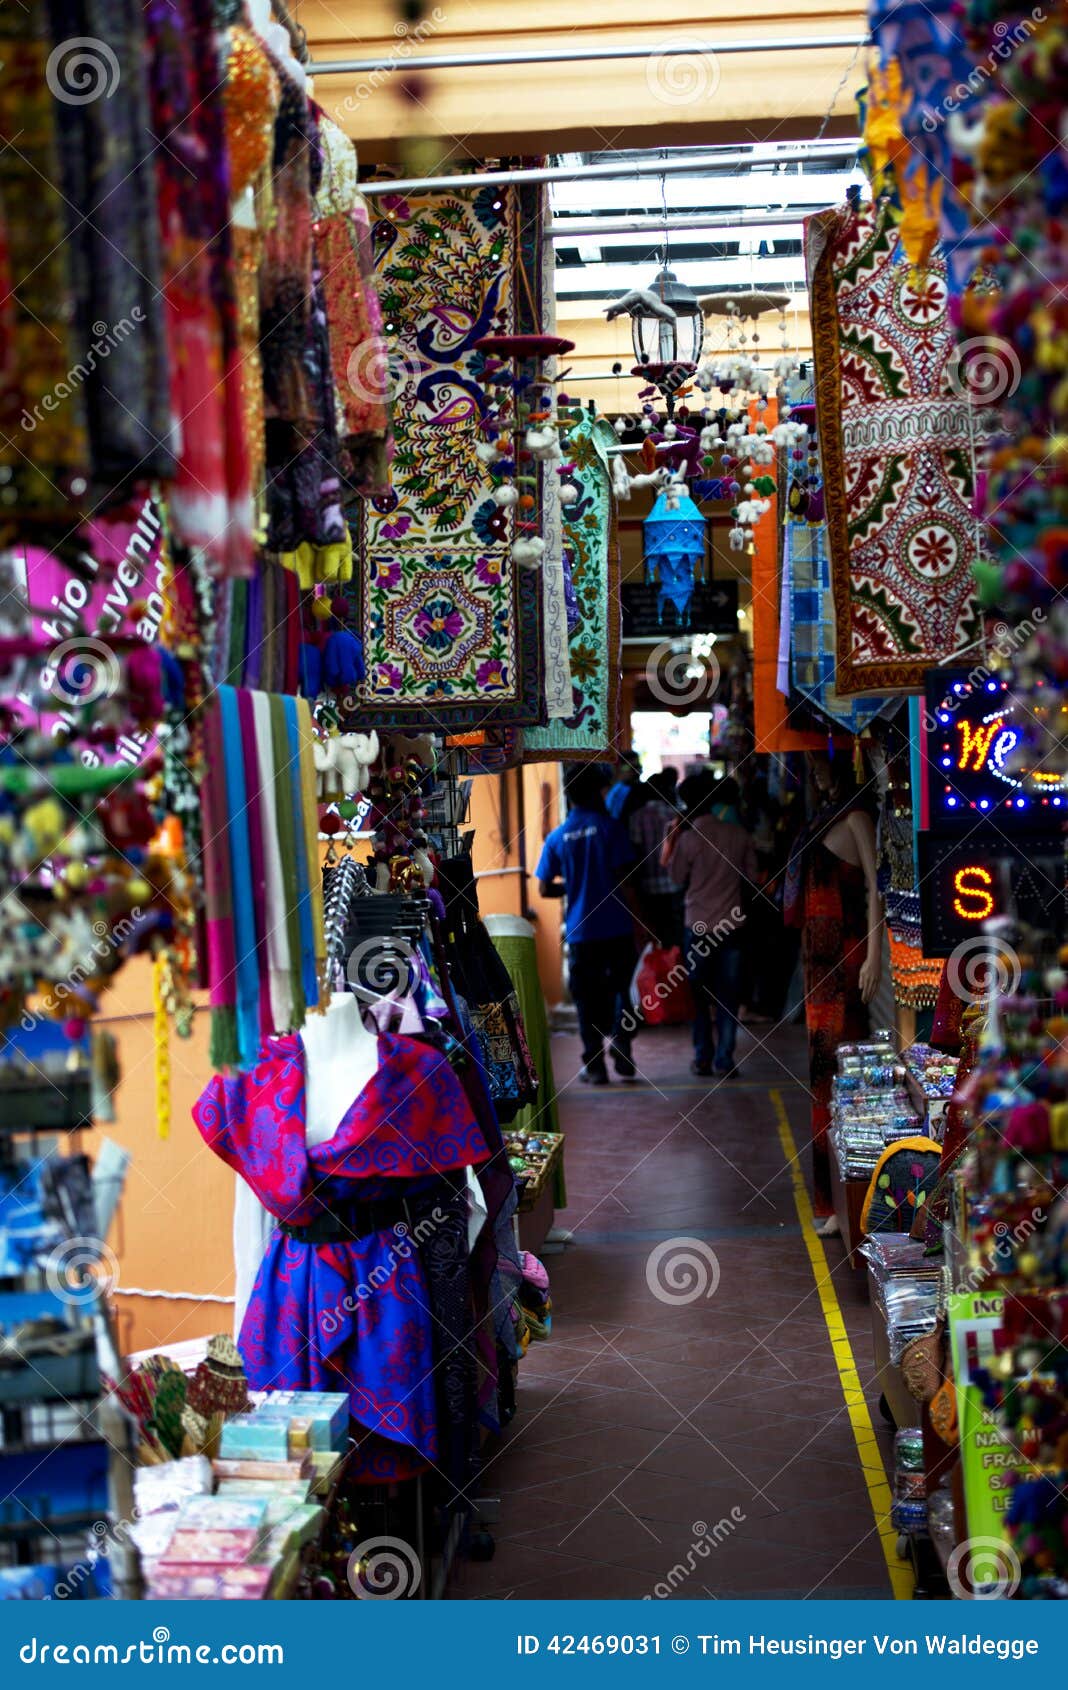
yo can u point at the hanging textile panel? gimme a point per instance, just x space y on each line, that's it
592 558
451 629
897 444
772 729
807 574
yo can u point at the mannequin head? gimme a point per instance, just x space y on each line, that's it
831 775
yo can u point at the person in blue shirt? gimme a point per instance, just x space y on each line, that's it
617 799
588 860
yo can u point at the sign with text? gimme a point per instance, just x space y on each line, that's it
978 762
964 882
989 1462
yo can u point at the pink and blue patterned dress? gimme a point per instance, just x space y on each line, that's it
352 1313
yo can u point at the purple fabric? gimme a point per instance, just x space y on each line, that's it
352 1315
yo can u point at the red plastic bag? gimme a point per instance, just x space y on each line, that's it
660 990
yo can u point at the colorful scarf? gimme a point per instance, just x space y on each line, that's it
280 992
308 976
222 979
287 841
247 723
248 1029
310 813
266 939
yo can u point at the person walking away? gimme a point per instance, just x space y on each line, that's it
588 860
652 817
712 857
621 793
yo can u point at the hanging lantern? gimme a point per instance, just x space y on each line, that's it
667 329
674 545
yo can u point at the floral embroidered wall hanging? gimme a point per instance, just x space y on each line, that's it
897 442
592 559
450 627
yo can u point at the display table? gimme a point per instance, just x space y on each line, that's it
540 1193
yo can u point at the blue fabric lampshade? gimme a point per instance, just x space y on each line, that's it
674 552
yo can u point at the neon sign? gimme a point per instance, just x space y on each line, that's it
965 882
973 899
979 760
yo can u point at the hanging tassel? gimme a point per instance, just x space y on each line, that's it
161 1034
858 761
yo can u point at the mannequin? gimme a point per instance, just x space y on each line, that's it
834 898
340 1055
276 37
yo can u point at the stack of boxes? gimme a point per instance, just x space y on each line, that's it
247 1539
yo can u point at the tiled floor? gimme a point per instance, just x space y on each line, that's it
696 1448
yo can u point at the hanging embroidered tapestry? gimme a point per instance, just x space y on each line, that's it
451 629
592 555
897 443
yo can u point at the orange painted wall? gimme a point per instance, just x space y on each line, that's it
172 1231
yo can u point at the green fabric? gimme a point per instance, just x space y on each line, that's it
590 539
520 958
223 1050
235 661
287 845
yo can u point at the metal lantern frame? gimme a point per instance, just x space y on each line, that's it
657 341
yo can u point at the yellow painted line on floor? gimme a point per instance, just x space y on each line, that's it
871 1461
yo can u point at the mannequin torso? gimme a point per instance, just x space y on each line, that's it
340 1056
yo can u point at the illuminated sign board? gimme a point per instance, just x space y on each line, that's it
978 761
964 882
